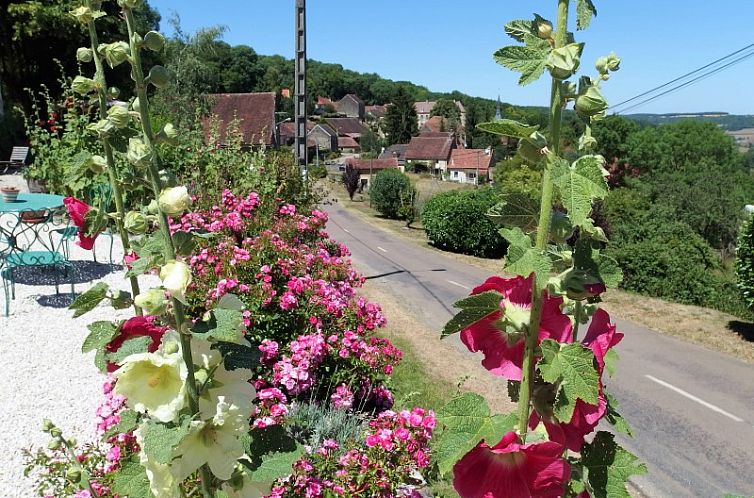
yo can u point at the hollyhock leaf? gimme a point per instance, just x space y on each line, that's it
100 334
518 29
579 184
588 256
184 243
616 419
473 309
528 60
131 480
611 358
121 300
609 466
237 356
572 365
223 325
129 420
585 11
466 420
231 302
160 440
516 210
140 267
131 346
523 258
271 452
508 128
89 300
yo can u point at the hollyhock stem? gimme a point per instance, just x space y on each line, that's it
112 172
543 231
181 324
577 314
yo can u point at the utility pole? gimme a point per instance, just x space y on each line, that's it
300 90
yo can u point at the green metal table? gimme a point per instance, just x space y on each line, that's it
27 237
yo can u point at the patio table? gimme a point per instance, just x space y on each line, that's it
26 239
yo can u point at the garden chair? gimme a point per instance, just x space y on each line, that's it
17 159
47 257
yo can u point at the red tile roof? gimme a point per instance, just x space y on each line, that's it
255 113
373 164
346 126
347 143
435 124
353 97
432 148
376 110
424 107
470 159
324 101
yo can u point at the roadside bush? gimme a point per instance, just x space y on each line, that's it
456 221
390 192
745 263
317 172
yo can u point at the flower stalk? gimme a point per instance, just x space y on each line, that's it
99 77
179 315
543 231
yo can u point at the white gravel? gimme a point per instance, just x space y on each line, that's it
43 373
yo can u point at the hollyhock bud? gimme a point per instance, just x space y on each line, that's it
564 62
138 153
154 41
168 134
159 76
47 425
561 228
97 164
590 103
83 85
135 105
543 27
153 301
118 116
176 277
113 92
135 223
103 127
613 62
174 201
53 444
115 53
153 207
580 284
73 474
84 54
85 14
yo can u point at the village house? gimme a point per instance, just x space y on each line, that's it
469 165
349 132
323 138
432 149
397 151
424 112
252 113
351 106
368 168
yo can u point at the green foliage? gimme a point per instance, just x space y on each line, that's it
401 122
529 59
221 325
455 221
160 439
86 302
609 467
509 128
612 134
465 421
388 192
571 368
131 346
579 185
271 453
350 180
131 480
312 423
745 262
473 309
523 258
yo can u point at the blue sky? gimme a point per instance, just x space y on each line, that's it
447 45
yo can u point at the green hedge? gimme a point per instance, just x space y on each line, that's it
390 192
456 221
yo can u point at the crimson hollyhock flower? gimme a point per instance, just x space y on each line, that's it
512 470
137 326
601 337
504 349
77 210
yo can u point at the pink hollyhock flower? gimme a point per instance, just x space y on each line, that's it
504 350
129 259
77 211
601 336
512 470
136 327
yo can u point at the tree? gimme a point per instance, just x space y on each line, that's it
351 177
612 134
448 109
401 121
370 142
390 192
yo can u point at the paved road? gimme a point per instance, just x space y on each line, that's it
692 409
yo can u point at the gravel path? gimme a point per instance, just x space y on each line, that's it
43 373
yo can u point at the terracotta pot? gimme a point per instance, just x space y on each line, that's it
33 217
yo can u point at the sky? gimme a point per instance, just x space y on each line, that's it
448 45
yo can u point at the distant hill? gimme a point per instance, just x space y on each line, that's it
729 122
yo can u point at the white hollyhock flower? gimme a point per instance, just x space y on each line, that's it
174 200
176 277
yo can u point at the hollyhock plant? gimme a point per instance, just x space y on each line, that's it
512 470
137 326
500 335
77 211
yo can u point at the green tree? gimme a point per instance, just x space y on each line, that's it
448 109
612 134
401 122
390 191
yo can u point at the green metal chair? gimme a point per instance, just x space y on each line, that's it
102 191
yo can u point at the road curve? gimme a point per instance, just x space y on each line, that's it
692 410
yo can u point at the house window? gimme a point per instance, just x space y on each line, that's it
472 175
455 174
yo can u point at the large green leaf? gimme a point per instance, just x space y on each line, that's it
100 334
609 466
473 309
131 480
519 28
523 258
237 356
508 128
465 421
87 301
517 209
134 345
222 325
160 439
585 11
271 453
616 419
579 184
588 256
572 367
529 60
129 419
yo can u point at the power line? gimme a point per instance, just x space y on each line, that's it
683 76
690 82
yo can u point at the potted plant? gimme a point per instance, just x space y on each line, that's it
10 194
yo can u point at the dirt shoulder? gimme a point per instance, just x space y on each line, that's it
709 328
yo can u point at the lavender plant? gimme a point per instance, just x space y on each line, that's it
527 327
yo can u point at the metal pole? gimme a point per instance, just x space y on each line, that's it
300 90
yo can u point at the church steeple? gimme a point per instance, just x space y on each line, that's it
499 111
